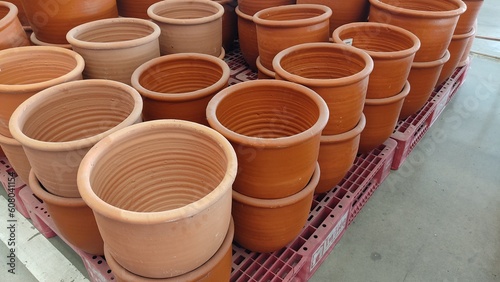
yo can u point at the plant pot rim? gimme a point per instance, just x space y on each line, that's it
191 21
37 86
5 140
390 100
459 36
461 7
243 15
263 69
38 42
346 135
182 96
11 15
432 64
74 33
50 198
380 54
267 142
257 17
342 48
20 115
101 148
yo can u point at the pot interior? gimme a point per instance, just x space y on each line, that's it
114 32
188 10
291 13
433 6
377 39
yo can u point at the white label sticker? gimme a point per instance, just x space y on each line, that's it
348 41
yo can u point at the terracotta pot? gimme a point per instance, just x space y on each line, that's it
468 18
229 23
250 7
423 78
114 48
11 31
52 20
337 72
57 126
267 225
134 8
216 269
25 72
193 26
344 11
247 33
456 48
20 14
275 128
14 152
470 41
284 26
179 86
73 219
381 119
392 49
336 156
262 72
36 42
167 182
433 22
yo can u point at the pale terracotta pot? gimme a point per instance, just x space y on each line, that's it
468 18
216 269
433 22
73 219
36 42
250 7
179 86
57 126
337 72
25 72
14 152
114 48
275 128
465 55
336 156
167 182
247 37
193 26
263 72
267 225
21 14
11 30
381 120
392 49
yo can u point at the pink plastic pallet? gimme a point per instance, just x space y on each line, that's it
6 171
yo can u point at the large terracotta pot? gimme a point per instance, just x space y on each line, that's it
392 49
283 26
161 194
250 7
57 126
337 72
275 129
468 18
52 20
247 34
433 22
267 225
73 219
457 47
114 48
24 72
179 86
14 152
216 269
11 31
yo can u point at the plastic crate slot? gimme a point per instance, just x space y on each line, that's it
307 232
260 274
263 258
283 273
333 203
297 244
275 265
341 193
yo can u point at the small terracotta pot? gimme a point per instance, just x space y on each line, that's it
11 31
275 128
262 72
25 72
381 119
468 18
456 48
73 219
392 49
250 7
21 14
216 269
423 78
465 55
433 22
336 156
57 126
267 225
179 86
36 42
167 182
14 152
193 26
114 48
337 72
284 26
247 33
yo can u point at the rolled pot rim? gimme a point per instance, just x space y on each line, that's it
422 13
105 209
11 14
267 142
20 115
181 96
390 100
50 198
346 135
365 72
74 33
432 64
263 69
468 34
258 20
38 42
193 21
243 15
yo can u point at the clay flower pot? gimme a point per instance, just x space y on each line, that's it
14 152
72 217
267 225
114 48
470 41
25 72
283 26
457 47
167 182
381 119
275 128
20 14
193 26
247 37
57 126
179 86
392 49
336 156
11 31
250 7
263 72
468 18
52 20
229 24
337 72
423 78
216 269
433 22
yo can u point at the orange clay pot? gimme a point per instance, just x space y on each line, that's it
11 31
250 7
468 18
247 33
20 14
465 55
262 72
14 152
